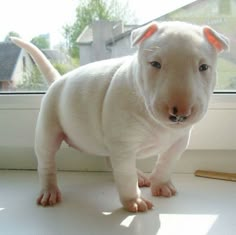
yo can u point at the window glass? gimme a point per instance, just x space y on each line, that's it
72 33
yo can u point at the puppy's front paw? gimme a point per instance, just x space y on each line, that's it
143 180
163 189
49 197
137 205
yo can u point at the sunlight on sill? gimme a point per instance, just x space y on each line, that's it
186 224
106 213
127 221
189 223
1 209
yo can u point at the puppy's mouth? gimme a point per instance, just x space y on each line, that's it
174 120
179 123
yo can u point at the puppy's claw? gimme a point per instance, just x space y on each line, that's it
165 189
49 198
143 180
138 205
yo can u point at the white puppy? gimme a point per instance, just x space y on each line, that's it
129 108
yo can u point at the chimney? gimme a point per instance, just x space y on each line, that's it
104 30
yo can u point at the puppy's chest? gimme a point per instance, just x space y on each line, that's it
156 142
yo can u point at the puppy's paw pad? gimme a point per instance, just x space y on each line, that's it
164 189
49 197
138 205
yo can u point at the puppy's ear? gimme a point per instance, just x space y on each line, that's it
140 34
217 40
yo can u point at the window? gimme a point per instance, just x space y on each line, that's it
48 24
225 7
69 44
24 64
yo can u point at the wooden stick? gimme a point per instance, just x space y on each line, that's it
216 175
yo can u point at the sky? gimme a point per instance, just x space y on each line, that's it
31 18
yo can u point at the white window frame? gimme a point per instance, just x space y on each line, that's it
216 133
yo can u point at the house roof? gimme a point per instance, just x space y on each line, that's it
86 37
55 56
9 54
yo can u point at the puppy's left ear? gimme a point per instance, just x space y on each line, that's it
217 40
140 34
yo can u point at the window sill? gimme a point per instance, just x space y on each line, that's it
32 101
202 206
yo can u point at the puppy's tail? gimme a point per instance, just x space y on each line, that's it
46 68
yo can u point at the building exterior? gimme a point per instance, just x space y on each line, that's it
219 14
14 61
18 70
94 41
56 56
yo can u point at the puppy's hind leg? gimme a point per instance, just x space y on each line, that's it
47 142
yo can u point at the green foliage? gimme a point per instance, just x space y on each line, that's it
90 10
33 81
226 75
86 12
11 34
41 42
64 68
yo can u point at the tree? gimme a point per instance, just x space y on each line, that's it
41 41
11 34
90 10
33 81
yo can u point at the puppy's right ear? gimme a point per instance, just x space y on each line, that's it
140 34
217 40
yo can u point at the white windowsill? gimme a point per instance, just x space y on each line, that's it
91 206
32 101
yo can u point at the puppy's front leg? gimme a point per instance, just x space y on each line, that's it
160 178
125 174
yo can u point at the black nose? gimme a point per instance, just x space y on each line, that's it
176 118
177 115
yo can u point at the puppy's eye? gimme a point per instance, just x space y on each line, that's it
203 67
155 64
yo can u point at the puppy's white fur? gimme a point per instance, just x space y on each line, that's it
129 108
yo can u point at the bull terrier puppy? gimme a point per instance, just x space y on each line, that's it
129 108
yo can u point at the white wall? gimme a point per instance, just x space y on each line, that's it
212 146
